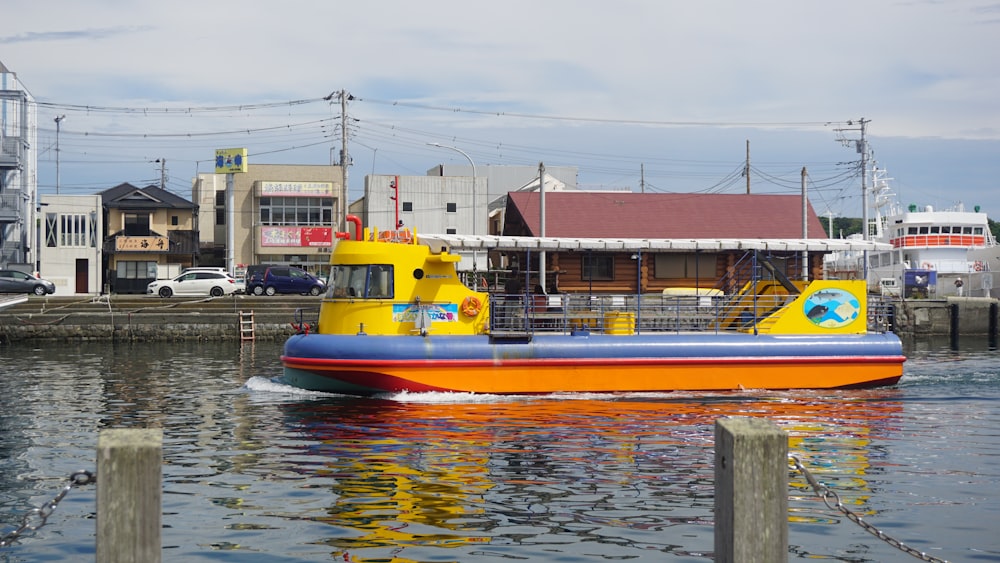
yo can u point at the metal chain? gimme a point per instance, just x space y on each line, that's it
37 517
832 500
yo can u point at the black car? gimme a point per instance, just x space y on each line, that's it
14 281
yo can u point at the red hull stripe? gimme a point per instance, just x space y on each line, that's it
326 363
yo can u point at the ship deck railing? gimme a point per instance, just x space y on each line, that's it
515 315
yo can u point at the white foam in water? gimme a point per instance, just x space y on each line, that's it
274 385
445 397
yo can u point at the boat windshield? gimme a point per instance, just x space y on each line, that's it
366 281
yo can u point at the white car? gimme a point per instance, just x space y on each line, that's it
196 282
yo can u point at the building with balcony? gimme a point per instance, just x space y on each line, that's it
151 234
18 163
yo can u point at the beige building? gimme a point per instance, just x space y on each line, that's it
279 214
149 235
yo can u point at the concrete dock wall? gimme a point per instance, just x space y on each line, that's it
935 316
151 318
140 318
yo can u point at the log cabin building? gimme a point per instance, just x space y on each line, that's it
611 215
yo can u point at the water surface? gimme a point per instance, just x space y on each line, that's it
257 471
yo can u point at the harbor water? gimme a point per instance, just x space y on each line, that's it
254 470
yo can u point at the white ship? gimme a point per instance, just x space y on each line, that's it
935 253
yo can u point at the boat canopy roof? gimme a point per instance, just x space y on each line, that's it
438 243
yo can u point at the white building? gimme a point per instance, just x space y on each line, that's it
72 243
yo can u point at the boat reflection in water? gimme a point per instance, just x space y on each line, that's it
543 478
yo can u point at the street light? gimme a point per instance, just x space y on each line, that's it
475 210
58 121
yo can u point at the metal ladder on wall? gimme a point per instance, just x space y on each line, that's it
246 326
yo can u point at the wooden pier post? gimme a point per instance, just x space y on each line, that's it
129 497
955 326
751 491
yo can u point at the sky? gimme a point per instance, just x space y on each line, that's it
659 95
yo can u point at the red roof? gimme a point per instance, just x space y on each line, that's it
638 215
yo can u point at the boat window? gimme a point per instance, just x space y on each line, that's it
380 281
935 229
361 281
911 230
946 230
923 230
966 230
977 230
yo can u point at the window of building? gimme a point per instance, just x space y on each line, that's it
451 231
407 206
137 224
73 230
597 267
220 198
452 207
51 230
70 230
296 211
220 216
175 220
684 266
136 269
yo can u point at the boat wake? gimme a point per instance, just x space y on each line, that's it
275 385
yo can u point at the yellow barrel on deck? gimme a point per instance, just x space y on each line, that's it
619 322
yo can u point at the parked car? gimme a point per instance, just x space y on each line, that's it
196 282
285 279
14 281
240 282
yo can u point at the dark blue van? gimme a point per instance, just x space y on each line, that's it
284 279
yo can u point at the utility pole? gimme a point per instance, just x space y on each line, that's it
163 172
805 226
341 220
746 170
861 146
58 121
642 178
344 160
541 215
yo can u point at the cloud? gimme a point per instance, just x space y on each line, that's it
70 35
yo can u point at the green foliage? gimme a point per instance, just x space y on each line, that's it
843 226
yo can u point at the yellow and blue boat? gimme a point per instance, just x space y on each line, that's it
398 317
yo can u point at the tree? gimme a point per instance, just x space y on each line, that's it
843 226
